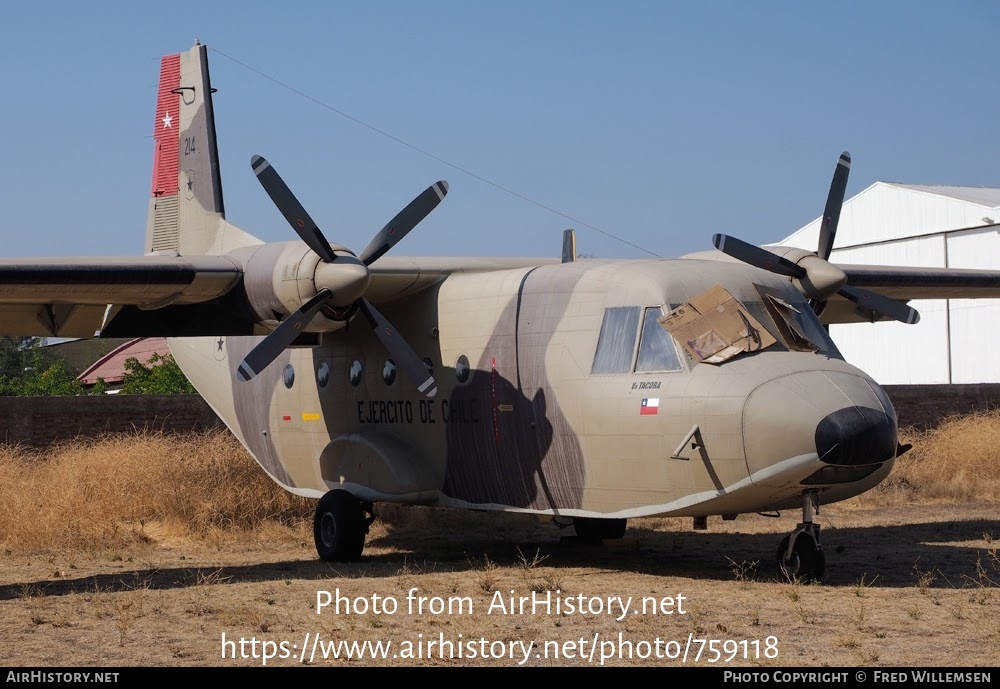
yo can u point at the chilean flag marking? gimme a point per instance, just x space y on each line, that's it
650 406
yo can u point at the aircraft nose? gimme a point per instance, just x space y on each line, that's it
840 417
856 435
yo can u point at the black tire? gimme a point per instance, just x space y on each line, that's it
591 530
807 563
339 527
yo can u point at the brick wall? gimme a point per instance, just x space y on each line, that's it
924 406
41 421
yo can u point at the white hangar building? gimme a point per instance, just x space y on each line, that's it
929 226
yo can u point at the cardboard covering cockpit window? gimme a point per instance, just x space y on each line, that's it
714 326
788 319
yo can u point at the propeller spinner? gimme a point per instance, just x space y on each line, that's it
341 281
813 274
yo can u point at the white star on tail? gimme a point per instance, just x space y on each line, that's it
167 119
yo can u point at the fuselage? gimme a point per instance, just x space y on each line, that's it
560 394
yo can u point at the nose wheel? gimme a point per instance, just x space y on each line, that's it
800 555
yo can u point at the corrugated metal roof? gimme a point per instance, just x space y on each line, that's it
81 354
888 211
984 196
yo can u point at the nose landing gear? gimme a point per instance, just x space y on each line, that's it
800 555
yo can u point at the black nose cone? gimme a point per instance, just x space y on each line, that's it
856 435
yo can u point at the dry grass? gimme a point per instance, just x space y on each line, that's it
959 461
120 492
145 549
103 494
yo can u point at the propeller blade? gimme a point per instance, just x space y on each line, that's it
834 203
405 220
271 347
290 207
755 256
878 303
399 349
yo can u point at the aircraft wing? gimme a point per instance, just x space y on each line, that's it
906 283
176 296
69 297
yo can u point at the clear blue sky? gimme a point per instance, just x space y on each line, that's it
661 122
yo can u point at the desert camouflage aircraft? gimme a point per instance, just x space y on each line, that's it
592 390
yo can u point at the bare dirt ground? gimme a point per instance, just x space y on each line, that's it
905 585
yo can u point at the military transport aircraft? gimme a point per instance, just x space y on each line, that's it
592 390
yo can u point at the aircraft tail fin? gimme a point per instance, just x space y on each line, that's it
186 209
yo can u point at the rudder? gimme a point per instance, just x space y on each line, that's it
186 209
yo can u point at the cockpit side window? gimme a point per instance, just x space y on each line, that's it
657 351
617 340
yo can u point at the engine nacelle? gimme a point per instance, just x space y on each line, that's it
822 279
280 277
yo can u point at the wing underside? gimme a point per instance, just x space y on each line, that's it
907 283
71 297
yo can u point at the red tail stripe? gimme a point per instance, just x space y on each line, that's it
166 128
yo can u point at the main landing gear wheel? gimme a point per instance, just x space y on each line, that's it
340 526
800 555
592 530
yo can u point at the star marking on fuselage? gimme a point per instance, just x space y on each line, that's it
167 119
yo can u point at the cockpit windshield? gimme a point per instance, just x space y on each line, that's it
715 326
712 328
794 321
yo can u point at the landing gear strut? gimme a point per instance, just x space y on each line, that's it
800 556
340 526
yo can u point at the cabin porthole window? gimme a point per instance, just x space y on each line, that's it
389 372
355 373
289 376
323 374
462 369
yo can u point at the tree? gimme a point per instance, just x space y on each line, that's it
11 357
161 376
56 379
19 355
28 369
99 388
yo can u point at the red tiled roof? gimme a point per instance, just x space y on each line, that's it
111 367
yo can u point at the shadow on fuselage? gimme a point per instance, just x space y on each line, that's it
524 453
512 456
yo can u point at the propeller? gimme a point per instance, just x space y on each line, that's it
812 273
290 207
755 256
873 301
834 204
274 344
339 278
